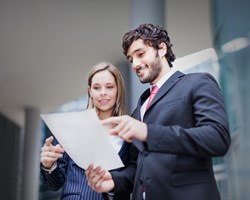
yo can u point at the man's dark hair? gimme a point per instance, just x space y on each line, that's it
152 35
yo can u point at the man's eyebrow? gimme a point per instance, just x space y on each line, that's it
136 50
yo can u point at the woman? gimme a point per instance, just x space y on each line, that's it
106 93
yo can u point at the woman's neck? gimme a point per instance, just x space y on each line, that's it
104 115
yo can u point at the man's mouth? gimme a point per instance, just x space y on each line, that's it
139 71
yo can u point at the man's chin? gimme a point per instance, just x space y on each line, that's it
143 81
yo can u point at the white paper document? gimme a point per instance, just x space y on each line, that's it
83 137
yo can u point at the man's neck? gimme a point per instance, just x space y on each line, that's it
165 70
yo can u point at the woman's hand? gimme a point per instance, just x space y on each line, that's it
50 153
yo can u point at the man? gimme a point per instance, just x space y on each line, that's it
177 135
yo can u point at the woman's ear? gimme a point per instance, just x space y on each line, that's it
162 49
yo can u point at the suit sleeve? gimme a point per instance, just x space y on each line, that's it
205 134
56 178
124 177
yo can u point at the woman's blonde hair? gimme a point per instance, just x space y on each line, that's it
119 108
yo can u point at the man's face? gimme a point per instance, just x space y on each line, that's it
145 61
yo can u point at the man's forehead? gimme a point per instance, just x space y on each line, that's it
137 45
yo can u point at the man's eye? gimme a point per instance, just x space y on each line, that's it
140 54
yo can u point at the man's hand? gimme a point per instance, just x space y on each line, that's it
99 180
50 153
127 128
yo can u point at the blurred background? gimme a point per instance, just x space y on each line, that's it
47 48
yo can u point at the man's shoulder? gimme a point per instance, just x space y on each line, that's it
198 75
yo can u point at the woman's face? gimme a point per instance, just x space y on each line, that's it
103 90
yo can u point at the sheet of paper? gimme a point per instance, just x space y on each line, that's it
83 137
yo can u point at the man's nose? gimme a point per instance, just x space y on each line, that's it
136 63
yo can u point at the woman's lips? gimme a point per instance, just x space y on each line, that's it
104 101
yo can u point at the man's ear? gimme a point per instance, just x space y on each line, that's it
162 49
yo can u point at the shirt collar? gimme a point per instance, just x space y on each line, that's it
164 79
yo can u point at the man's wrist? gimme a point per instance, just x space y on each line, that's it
111 193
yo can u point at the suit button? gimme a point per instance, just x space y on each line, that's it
145 153
140 181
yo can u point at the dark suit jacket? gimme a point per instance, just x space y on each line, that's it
73 180
187 125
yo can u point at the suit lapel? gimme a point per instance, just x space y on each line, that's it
137 115
143 97
166 87
162 91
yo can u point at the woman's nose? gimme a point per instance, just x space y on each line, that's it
103 91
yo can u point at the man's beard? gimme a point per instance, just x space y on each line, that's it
154 70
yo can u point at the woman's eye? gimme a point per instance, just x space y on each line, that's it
96 88
110 87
